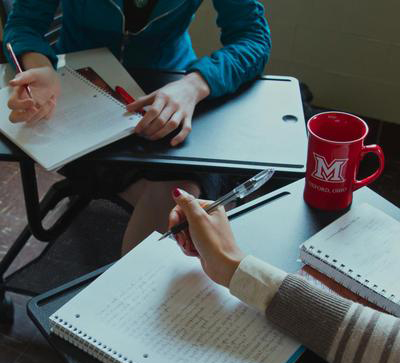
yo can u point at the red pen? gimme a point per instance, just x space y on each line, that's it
17 66
126 97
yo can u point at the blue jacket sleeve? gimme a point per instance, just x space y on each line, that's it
246 43
26 26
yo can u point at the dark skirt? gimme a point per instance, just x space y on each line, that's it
107 179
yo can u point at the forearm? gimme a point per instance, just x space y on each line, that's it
246 39
334 328
200 86
35 60
27 25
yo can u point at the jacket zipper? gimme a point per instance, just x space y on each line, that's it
126 33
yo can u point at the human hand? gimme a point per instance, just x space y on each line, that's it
45 88
209 237
170 107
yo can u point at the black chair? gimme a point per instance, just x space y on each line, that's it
79 196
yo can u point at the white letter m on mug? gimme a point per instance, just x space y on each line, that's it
332 172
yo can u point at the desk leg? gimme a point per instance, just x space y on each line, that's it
36 211
6 309
6 304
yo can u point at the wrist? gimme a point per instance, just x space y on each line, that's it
231 264
256 282
200 86
35 60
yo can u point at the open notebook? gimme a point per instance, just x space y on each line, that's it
86 119
157 305
361 251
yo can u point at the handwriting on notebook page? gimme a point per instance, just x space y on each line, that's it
165 306
366 241
191 319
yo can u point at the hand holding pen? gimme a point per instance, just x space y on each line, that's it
209 235
35 91
239 192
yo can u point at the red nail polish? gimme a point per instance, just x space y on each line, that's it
176 192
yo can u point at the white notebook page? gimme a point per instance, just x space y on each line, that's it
365 244
85 119
157 305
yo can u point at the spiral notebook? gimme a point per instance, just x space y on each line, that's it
156 305
86 119
361 251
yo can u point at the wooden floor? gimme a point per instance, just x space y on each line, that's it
22 342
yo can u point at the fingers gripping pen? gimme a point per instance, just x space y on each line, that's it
239 192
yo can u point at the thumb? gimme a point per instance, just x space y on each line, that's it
23 78
189 205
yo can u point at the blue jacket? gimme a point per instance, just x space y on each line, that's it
163 44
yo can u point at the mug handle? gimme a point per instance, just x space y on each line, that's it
376 149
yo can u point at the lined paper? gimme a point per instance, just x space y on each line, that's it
86 118
158 303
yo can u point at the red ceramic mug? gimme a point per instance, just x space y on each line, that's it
335 150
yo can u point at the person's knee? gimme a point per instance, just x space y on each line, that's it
189 186
134 191
164 188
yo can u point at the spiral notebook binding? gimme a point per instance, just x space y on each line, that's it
98 89
88 344
335 264
101 91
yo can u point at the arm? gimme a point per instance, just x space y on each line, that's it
246 39
25 29
26 26
334 328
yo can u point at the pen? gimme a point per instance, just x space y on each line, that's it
17 66
126 97
239 192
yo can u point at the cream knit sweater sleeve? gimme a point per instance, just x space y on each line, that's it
337 329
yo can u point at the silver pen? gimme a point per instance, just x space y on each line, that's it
239 192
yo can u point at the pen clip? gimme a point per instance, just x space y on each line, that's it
254 183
